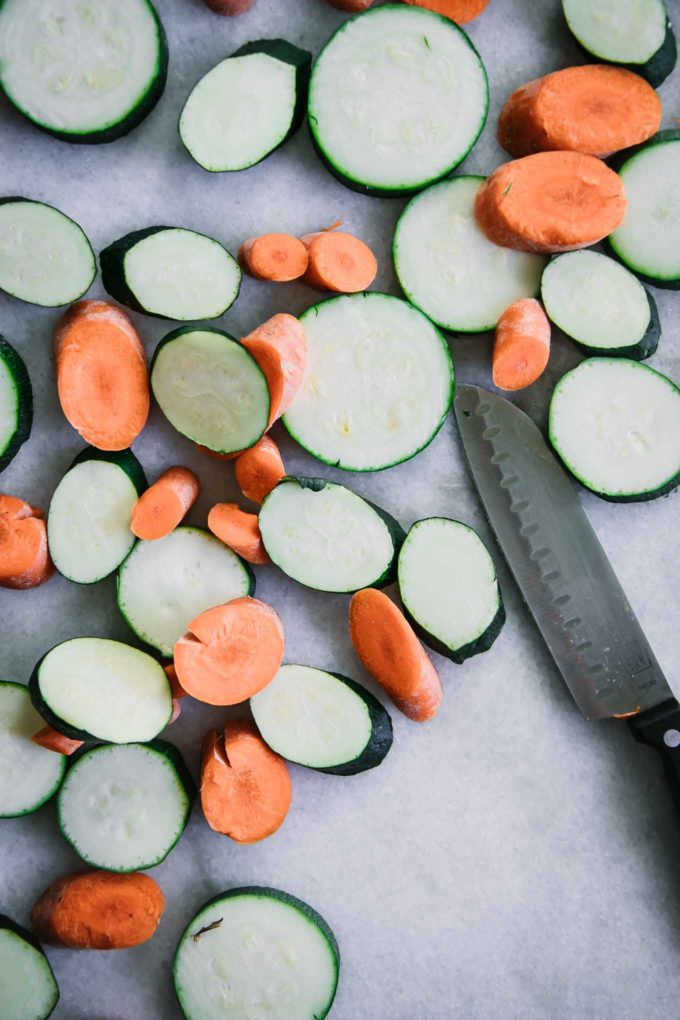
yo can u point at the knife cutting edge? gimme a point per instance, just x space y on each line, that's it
564 574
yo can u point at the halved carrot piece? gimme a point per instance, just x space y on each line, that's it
279 346
596 108
52 740
239 530
164 504
245 786
215 455
99 910
101 374
521 345
339 262
24 555
353 6
460 11
229 7
230 652
278 258
550 202
389 649
259 469
176 688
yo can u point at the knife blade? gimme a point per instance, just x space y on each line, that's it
564 574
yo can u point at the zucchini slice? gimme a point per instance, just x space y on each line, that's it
88 524
16 403
123 807
266 84
171 273
99 689
615 424
45 257
30 774
600 305
163 585
27 984
635 34
327 537
378 386
210 388
322 720
397 99
447 266
449 589
82 70
648 240
256 949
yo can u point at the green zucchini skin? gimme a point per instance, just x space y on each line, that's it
655 70
298 58
43 709
134 117
7 924
124 459
643 349
381 734
112 265
481 644
22 384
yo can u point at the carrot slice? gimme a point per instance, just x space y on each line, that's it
217 456
390 651
460 11
521 345
596 109
339 262
275 257
52 740
99 910
550 202
239 530
176 688
229 7
102 380
230 652
245 786
160 509
353 6
24 555
279 346
259 469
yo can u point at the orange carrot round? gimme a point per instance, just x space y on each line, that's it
596 109
352 6
550 202
460 11
99 910
521 345
230 652
278 258
102 380
164 504
245 786
259 469
279 346
24 555
239 530
338 262
389 649
52 740
229 7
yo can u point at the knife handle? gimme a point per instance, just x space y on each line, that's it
660 728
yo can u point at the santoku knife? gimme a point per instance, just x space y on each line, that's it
564 575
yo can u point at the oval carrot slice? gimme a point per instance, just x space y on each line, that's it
99 910
215 455
279 346
597 109
353 6
102 380
24 555
521 345
176 688
460 11
164 504
52 740
239 530
259 469
389 649
550 202
230 652
229 7
245 786
278 258
339 262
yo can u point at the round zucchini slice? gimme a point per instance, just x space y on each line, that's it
29 989
30 774
16 403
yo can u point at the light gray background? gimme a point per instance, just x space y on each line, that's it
508 860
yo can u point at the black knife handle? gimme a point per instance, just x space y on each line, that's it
660 728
